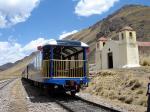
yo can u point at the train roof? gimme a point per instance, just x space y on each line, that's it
66 43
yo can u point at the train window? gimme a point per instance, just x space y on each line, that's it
46 53
39 61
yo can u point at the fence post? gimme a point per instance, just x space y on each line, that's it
84 61
51 61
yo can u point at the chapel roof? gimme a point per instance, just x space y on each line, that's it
102 39
143 44
128 28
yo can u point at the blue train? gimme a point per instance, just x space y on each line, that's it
60 65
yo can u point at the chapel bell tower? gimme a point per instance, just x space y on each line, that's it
129 48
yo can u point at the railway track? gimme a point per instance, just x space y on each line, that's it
5 83
77 104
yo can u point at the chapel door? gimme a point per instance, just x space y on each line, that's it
110 60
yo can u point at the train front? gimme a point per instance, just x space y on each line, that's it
65 66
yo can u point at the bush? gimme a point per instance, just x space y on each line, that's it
145 61
122 98
140 92
142 102
129 100
136 85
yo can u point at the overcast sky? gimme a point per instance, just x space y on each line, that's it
25 24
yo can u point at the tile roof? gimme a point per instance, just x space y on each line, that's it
128 28
102 39
143 43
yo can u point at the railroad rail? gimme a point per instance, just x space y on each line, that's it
5 83
78 104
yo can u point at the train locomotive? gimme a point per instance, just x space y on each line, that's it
60 65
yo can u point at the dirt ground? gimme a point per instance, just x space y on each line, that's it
126 86
18 103
20 96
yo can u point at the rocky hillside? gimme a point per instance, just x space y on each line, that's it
136 16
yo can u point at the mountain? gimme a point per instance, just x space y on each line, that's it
136 16
17 67
5 66
8 65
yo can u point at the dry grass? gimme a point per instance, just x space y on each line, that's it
123 85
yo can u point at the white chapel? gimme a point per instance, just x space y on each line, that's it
120 53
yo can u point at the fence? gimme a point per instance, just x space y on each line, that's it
64 68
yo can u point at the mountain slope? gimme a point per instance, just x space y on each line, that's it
5 66
17 68
135 16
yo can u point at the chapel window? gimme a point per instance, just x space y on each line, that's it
103 43
97 45
122 36
130 34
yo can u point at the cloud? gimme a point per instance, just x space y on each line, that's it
12 51
15 11
65 34
32 46
91 7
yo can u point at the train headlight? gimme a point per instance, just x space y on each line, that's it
55 86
